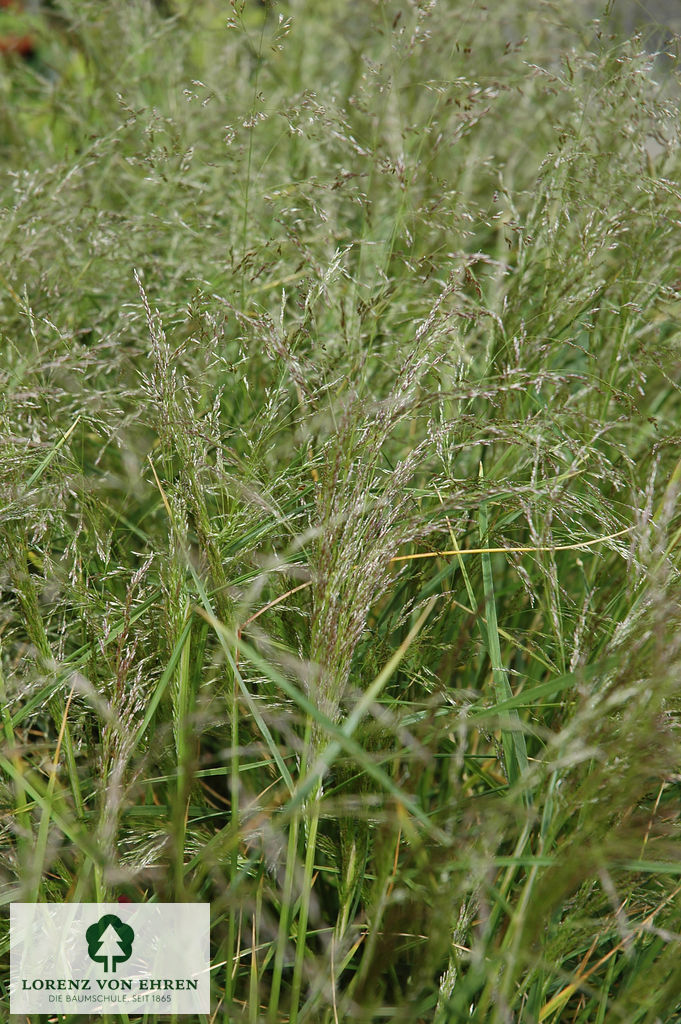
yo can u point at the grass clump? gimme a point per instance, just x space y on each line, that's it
339 470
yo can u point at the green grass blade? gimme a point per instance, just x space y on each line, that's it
513 740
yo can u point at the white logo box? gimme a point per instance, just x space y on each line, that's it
110 958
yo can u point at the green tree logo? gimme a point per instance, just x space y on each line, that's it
109 942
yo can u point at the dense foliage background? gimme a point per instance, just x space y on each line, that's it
339 471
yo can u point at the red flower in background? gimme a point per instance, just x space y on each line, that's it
21 43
